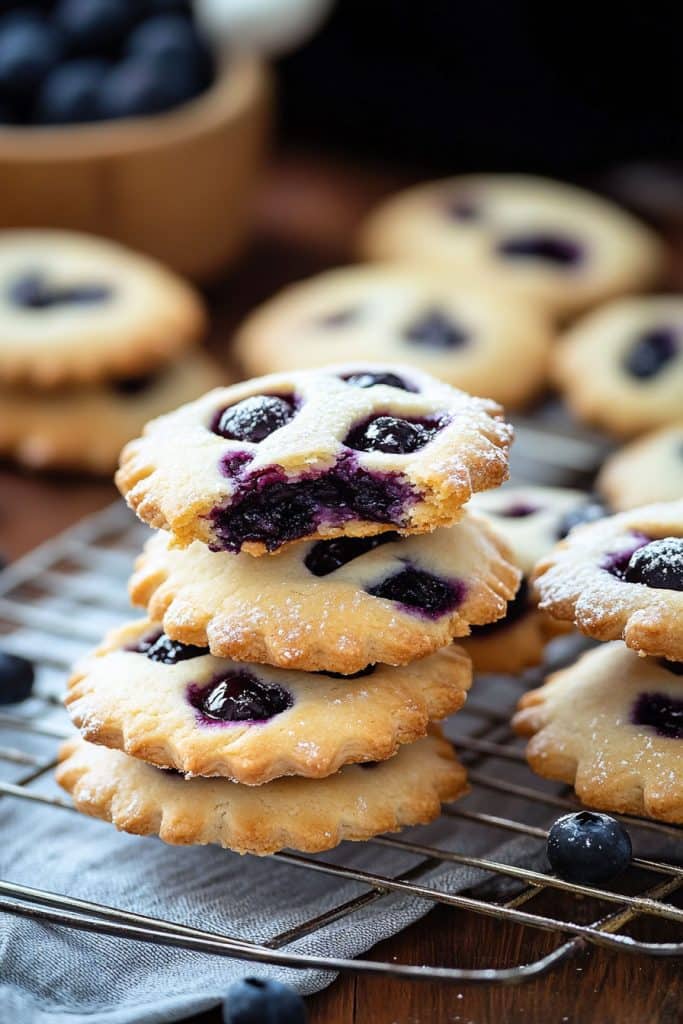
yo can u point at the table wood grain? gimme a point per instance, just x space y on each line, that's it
307 209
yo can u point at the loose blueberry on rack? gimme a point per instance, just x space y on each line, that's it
420 590
70 93
238 696
588 513
651 352
254 419
16 678
435 330
658 564
588 848
369 379
660 712
557 250
29 48
391 435
262 1001
329 555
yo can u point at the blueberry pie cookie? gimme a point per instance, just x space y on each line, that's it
85 428
176 706
337 604
622 578
315 454
75 308
621 367
612 727
531 520
311 815
649 469
469 337
561 247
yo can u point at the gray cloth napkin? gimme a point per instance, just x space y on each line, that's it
50 974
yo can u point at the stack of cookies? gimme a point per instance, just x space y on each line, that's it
96 340
612 724
313 566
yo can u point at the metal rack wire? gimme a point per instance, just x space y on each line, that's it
58 600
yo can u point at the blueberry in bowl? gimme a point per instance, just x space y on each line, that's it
16 678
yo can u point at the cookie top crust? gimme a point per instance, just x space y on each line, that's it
532 519
176 706
315 454
621 367
621 577
310 815
472 338
649 469
554 244
78 309
335 605
85 428
612 726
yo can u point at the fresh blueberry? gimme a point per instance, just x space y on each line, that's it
435 330
588 513
168 7
415 588
369 379
658 564
254 419
159 647
651 353
135 88
588 848
94 26
29 48
329 555
70 93
391 435
262 1001
546 248
172 43
238 696
660 712
16 678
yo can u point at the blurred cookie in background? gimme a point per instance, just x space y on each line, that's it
477 339
650 469
621 367
554 244
84 429
79 309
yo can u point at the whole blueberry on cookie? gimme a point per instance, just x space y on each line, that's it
658 564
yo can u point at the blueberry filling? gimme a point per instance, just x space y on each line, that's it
616 562
271 509
517 608
415 588
660 712
360 674
369 379
238 696
159 647
329 555
435 330
341 318
32 292
253 419
658 564
518 510
130 386
391 435
651 352
588 513
547 248
463 209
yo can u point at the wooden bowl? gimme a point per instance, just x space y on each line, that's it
176 185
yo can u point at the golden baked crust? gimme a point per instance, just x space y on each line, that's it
303 814
512 647
649 469
150 317
172 475
583 733
122 699
275 611
573 584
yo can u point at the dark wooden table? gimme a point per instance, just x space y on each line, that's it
306 213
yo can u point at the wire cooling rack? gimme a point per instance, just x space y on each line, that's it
56 603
